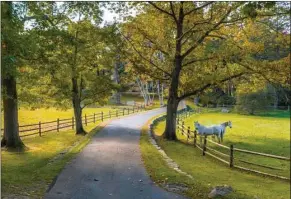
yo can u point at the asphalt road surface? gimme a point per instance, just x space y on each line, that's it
110 166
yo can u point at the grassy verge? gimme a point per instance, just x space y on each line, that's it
30 173
160 173
206 172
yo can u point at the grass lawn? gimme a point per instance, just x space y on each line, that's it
29 173
262 134
208 172
26 116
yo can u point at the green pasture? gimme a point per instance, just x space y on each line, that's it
257 133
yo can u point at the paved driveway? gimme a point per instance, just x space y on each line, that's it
110 166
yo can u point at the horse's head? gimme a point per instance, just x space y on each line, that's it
229 124
196 124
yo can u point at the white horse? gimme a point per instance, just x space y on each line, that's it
217 130
206 131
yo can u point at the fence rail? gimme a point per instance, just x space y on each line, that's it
59 124
207 150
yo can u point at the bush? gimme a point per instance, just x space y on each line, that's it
252 103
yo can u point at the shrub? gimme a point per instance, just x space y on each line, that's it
252 103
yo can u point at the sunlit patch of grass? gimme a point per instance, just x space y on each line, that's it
247 132
261 134
26 116
272 135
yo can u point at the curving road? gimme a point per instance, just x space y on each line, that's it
110 166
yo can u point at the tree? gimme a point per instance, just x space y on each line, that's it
73 52
16 47
252 102
199 44
34 50
74 64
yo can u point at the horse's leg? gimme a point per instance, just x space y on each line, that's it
213 137
222 136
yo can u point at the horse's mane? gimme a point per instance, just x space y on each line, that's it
224 123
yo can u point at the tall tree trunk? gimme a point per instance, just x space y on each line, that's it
11 137
77 107
173 100
276 99
172 105
162 94
76 92
116 79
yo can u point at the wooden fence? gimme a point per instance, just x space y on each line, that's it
229 157
59 124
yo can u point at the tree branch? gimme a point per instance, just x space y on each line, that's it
148 73
257 72
198 8
155 43
95 100
140 54
206 34
160 9
174 15
196 24
197 60
201 89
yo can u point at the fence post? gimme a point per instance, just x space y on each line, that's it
231 156
72 122
133 109
109 114
195 138
58 124
85 119
183 128
94 117
177 125
102 116
127 111
123 112
39 129
116 113
188 133
204 145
